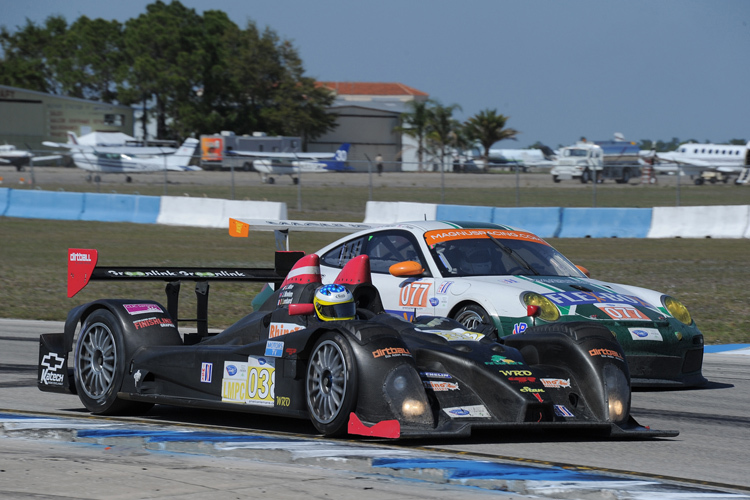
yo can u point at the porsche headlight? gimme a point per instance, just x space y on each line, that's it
548 310
677 309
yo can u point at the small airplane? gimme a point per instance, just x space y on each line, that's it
294 164
694 159
129 159
10 155
544 157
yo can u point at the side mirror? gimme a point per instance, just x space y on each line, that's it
301 309
406 268
584 271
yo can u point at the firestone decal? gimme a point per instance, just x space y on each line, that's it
134 309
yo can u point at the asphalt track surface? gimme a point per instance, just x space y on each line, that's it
709 459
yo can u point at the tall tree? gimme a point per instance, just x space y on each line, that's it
488 127
443 129
416 124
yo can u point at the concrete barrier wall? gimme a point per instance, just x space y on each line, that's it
605 222
542 221
36 204
120 208
4 193
385 212
464 213
701 222
211 212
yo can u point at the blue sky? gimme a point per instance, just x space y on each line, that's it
559 70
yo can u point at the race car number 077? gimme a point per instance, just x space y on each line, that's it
415 295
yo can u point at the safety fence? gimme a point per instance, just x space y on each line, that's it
721 221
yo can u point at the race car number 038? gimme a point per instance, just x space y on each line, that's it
415 295
251 383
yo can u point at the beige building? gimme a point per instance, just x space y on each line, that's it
28 117
367 114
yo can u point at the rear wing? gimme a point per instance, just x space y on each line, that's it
82 268
240 228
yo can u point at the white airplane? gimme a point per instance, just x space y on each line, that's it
292 164
10 155
539 158
694 159
129 159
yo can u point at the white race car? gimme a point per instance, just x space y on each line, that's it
498 279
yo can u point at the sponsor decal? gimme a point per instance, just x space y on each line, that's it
510 280
178 274
440 386
52 363
79 257
145 323
283 401
249 383
390 352
443 287
622 312
285 297
455 334
562 411
555 383
522 380
414 294
441 235
519 328
274 348
137 376
472 411
291 351
434 301
279 329
530 389
516 373
605 353
434 375
502 360
134 309
538 397
645 334
577 298
207 371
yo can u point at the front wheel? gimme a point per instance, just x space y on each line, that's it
555 179
100 365
331 384
475 319
585 177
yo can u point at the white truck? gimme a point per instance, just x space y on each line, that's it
618 160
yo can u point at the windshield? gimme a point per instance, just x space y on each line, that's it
494 252
575 152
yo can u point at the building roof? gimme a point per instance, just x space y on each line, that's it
372 89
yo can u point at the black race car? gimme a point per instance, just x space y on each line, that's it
375 375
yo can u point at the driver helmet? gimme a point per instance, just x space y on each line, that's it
334 302
476 261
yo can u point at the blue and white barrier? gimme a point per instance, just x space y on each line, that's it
4 192
464 213
120 208
542 221
387 212
721 221
212 212
53 205
605 222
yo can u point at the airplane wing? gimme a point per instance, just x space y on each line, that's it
292 156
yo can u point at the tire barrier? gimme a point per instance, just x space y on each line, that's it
605 222
52 205
542 221
212 212
386 212
722 221
120 208
4 192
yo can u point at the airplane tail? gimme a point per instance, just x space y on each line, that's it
338 163
72 137
180 160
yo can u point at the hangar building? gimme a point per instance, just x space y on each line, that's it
367 114
28 117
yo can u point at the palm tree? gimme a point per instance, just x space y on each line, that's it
487 127
416 124
443 128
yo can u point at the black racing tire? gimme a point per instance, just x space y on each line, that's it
100 365
331 384
475 319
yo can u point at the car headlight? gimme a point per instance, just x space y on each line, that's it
677 309
617 390
548 310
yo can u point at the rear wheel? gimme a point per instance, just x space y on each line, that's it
100 364
475 318
555 179
331 384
